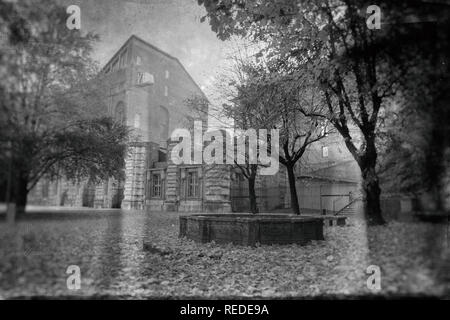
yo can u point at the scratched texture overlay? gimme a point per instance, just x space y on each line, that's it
224 149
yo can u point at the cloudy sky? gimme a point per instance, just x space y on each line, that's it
171 25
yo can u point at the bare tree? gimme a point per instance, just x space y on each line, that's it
281 103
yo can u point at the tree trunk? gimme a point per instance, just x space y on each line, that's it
293 189
20 193
436 164
372 191
11 206
370 182
252 194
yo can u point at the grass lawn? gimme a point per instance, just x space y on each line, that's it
107 245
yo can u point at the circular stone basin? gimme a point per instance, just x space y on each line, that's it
249 229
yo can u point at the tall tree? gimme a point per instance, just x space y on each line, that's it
358 68
53 121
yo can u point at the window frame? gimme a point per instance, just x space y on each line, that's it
156 177
192 185
119 113
138 60
45 189
137 120
122 60
115 65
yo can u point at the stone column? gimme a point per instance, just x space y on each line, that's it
172 181
135 164
217 184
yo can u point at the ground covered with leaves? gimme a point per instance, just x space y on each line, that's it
108 247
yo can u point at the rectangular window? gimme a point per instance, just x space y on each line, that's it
325 152
123 59
115 65
137 120
166 91
156 185
45 189
193 187
167 74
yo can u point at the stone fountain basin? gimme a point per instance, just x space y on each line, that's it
249 229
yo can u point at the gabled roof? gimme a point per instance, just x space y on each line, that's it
149 45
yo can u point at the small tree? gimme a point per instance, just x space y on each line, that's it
248 117
282 103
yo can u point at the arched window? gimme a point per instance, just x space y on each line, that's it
119 113
163 116
137 120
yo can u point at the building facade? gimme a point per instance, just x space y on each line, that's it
147 89
328 177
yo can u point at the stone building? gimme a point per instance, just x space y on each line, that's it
147 89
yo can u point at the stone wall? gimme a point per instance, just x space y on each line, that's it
135 165
270 192
217 185
59 193
321 194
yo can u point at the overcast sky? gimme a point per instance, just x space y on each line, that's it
171 25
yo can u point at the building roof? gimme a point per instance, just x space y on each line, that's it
324 174
149 45
329 179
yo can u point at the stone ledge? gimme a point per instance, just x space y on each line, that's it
331 220
247 229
